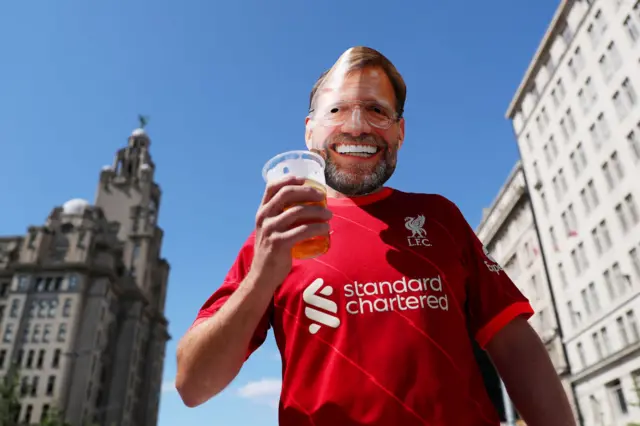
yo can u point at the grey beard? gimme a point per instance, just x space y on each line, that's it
358 180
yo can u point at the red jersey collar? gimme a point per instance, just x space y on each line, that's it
361 200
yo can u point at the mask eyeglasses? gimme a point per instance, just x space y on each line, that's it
336 114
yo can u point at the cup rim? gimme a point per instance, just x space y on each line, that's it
295 151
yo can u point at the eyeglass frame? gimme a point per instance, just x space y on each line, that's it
397 114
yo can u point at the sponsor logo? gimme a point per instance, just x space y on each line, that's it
365 298
418 235
493 266
316 297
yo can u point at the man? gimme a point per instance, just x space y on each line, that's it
377 330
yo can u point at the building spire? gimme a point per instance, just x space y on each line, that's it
133 162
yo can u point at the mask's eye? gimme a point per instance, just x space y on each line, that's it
334 110
378 110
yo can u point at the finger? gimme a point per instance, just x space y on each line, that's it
291 237
275 186
291 195
296 214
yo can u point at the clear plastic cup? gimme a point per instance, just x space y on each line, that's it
310 166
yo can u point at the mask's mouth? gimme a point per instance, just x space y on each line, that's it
356 149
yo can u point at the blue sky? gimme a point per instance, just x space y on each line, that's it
226 86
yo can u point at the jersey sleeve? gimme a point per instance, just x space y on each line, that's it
493 300
234 277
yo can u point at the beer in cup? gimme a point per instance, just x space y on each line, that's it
310 166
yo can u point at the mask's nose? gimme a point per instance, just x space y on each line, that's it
356 124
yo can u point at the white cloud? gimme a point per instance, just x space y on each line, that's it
265 391
264 388
168 386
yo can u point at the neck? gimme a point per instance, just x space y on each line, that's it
332 193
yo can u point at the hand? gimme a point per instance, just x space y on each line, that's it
278 230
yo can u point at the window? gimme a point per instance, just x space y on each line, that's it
622 330
545 204
610 62
547 154
591 94
608 282
625 99
62 332
7 337
605 236
635 261
577 62
618 399
34 386
606 342
576 262
4 289
633 326
36 334
561 90
539 125
66 309
542 319
595 338
55 363
619 278
42 309
573 219
3 357
527 139
73 282
40 359
632 209
563 275
15 308
554 96
582 254
24 386
596 241
30 355
545 116
627 213
557 191
572 314
593 194
571 121
553 146
634 145
585 301
46 335
575 166
612 171
600 131
44 413
632 29
29 411
51 383
580 159
581 355
53 307
593 296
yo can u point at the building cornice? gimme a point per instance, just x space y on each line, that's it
543 49
499 204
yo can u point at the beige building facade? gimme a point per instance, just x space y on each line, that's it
508 232
576 117
82 302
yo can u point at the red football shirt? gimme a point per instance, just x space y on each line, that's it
377 330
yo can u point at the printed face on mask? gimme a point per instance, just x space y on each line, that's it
355 127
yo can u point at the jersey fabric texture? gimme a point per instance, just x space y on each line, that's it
378 330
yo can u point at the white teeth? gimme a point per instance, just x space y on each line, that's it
367 150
